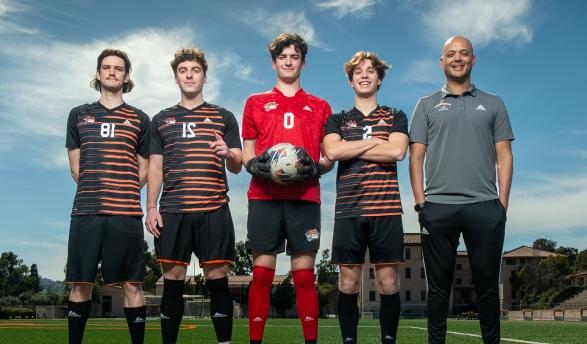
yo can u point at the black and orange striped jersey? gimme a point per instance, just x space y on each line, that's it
109 141
366 188
194 177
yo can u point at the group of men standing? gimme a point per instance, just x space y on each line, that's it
183 153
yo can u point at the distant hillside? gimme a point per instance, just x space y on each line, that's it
51 286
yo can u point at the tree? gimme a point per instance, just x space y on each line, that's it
283 298
13 275
326 271
544 244
570 252
581 261
152 268
35 279
243 261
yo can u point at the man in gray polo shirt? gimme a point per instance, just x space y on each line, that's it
463 133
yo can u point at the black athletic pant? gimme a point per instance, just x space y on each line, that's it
482 225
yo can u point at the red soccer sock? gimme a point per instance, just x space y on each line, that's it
306 302
259 301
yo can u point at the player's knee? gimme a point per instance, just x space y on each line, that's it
388 286
215 271
132 289
174 271
303 278
349 284
80 292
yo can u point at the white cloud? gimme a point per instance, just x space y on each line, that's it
270 24
481 21
50 78
7 24
342 8
423 71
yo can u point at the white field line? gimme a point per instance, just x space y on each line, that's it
479 336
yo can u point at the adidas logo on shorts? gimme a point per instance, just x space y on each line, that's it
163 316
139 320
308 318
349 339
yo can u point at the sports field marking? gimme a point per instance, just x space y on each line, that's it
479 336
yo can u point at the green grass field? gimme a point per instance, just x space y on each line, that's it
285 331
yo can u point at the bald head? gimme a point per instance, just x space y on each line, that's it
457 39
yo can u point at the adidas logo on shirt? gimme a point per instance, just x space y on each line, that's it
307 108
480 108
127 122
382 122
73 314
257 319
207 120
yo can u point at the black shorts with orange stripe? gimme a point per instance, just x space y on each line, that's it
115 241
382 235
209 235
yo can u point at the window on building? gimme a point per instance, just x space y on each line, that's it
459 281
372 295
514 293
459 267
408 295
407 253
510 261
408 273
422 273
423 295
371 273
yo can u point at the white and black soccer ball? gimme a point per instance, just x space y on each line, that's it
283 159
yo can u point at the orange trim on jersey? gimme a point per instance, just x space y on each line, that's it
109 143
373 193
383 214
112 191
110 172
110 163
358 264
129 282
207 208
119 181
170 261
126 213
389 263
79 282
382 207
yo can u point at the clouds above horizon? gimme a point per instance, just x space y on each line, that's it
60 72
343 8
270 24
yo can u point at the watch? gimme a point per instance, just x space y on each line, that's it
419 206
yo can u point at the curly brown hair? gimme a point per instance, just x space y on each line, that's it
360 56
97 85
189 54
284 40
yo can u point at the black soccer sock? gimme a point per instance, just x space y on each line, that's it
77 316
220 308
135 318
171 310
348 317
389 312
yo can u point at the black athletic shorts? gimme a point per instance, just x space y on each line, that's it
271 223
114 240
209 235
383 235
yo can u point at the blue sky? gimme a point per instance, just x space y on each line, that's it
528 52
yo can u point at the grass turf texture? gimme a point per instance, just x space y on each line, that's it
285 331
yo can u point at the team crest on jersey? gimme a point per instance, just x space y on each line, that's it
87 119
270 106
168 121
350 124
442 106
312 234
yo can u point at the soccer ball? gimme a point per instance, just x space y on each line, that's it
283 159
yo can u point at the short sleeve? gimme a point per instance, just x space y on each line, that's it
143 141
419 128
502 129
400 122
155 139
230 135
333 125
249 128
72 139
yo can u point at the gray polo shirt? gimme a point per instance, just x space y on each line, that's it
460 133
